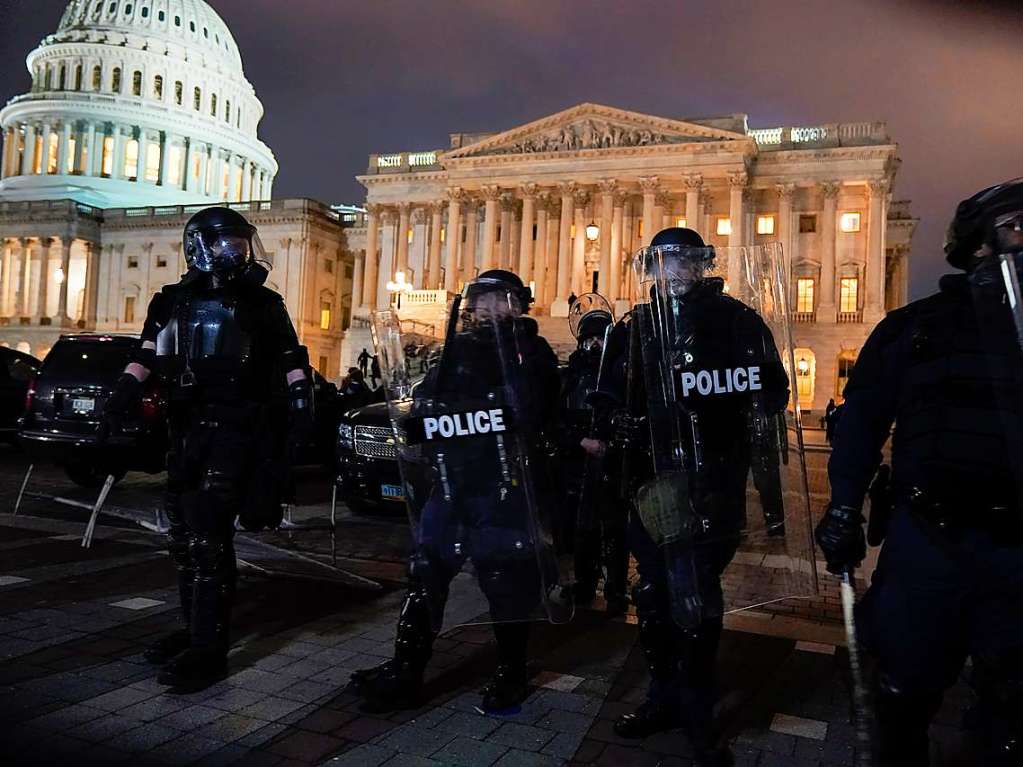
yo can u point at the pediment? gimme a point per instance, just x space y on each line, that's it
592 127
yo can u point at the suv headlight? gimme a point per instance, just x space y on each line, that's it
346 436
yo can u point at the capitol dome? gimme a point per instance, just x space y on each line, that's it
136 102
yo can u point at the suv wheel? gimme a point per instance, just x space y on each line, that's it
87 475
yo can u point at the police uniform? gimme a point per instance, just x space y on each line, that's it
724 361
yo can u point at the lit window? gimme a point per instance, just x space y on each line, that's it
115 82
807 224
681 223
158 87
70 165
804 295
765 224
152 162
850 222
849 294
409 236
108 156
37 155
724 226
325 315
51 154
131 159
846 362
129 308
173 166
136 83
442 233
179 92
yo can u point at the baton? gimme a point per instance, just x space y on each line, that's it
861 719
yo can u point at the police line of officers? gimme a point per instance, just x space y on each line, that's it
658 421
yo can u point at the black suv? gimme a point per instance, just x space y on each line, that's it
367 465
64 407
17 372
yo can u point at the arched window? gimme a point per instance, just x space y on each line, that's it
127 9
112 8
227 111
78 77
62 82
158 87
136 83
213 105
161 16
846 360
191 26
48 79
238 118
197 99
179 92
206 32
97 77
177 21
806 373
115 82
145 13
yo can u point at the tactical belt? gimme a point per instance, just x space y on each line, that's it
955 517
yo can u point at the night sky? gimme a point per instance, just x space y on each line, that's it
340 79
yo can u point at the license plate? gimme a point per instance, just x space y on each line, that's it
83 405
394 492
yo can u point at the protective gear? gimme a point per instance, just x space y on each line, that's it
509 686
976 219
589 316
840 536
220 241
629 430
496 292
677 259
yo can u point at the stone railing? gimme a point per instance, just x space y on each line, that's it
850 318
403 162
424 297
804 317
56 206
255 206
828 135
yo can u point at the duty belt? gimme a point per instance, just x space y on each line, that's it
961 515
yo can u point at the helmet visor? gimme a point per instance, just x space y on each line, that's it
1009 232
489 300
674 269
216 252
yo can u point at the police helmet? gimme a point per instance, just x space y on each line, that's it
676 256
220 241
499 281
977 218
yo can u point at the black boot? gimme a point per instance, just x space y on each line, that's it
616 567
661 711
903 718
177 641
195 669
398 683
697 694
510 686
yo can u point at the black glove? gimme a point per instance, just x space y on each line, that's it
126 395
840 536
628 430
302 425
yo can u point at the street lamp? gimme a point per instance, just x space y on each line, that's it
803 366
397 286
592 231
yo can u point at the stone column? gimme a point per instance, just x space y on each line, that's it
246 179
5 276
550 286
649 185
472 218
140 168
28 156
165 148
42 296
5 164
491 195
737 184
417 254
538 272
91 283
401 260
507 208
63 314
186 172
528 193
117 164
607 237
388 253
614 281
370 278
826 305
582 199
44 154
877 223
89 166
783 231
454 232
665 203
694 187
204 170
358 270
560 306
63 147
24 293
433 261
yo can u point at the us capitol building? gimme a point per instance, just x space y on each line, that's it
139 114
566 200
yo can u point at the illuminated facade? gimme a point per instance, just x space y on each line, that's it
565 201
138 116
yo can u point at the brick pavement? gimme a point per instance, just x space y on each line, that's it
73 688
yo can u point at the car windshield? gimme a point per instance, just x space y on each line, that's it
99 362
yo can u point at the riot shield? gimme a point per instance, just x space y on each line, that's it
728 502
467 432
588 305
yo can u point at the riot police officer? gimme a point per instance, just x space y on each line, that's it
224 348
947 370
468 509
595 535
690 331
